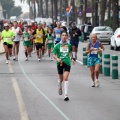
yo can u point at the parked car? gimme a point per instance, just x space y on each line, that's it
115 40
104 33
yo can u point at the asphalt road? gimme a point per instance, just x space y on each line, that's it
29 91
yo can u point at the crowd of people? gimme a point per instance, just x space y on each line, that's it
59 42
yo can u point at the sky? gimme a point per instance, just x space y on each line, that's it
25 7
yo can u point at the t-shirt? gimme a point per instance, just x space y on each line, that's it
63 52
7 36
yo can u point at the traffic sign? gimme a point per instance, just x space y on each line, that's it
89 10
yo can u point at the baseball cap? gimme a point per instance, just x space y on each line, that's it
6 24
73 24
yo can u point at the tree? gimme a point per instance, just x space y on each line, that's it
102 11
7 7
16 11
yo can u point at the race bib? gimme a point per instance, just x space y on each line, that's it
39 36
50 41
64 49
26 39
57 35
94 52
8 38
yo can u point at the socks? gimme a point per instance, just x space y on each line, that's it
73 54
66 84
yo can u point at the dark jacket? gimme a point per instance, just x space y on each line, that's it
74 37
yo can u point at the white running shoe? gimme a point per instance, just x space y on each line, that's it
26 59
43 58
51 59
97 83
6 61
38 59
93 84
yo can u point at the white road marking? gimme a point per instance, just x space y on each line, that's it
43 93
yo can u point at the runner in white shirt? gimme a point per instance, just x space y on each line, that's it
16 42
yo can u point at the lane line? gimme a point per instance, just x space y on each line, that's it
43 93
22 108
80 62
21 105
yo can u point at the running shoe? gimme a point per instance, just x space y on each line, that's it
38 59
51 59
14 58
6 61
97 83
66 98
26 59
93 84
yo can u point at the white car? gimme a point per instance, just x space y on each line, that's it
115 40
104 33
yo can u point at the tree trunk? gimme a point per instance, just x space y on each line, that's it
102 11
38 7
55 9
115 14
47 9
41 8
109 10
84 11
34 9
61 9
52 9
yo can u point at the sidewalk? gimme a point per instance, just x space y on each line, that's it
1 47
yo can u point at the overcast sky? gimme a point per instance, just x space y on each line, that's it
25 7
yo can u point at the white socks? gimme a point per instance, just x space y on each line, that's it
73 54
66 84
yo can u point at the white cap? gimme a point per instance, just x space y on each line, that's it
6 24
63 23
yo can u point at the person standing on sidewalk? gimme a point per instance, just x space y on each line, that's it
62 53
8 36
94 47
74 33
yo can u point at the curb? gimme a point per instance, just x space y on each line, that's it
2 53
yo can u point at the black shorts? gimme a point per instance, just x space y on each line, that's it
9 45
38 46
16 42
63 68
74 43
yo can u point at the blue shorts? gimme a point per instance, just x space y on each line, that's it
92 61
74 43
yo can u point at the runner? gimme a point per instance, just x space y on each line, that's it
16 42
26 42
57 32
38 35
50 42
61 53
8 37
94 47
74 39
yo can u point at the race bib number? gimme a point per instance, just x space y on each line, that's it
8 38
57 35
64 49
26 39
50 41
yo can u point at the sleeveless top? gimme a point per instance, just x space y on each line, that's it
16 31
94 52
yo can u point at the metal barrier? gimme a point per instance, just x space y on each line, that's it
84 57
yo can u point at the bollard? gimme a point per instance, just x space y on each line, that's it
100 69
82 37
107 64
114 67
84 57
